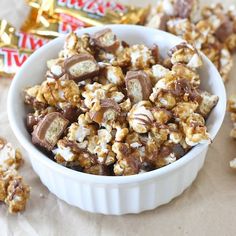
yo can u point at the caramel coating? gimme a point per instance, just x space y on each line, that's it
211 30
137 113
14 192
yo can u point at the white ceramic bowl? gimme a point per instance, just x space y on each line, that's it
104 194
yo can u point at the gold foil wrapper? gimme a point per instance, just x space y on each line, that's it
15 48
46 26
54 17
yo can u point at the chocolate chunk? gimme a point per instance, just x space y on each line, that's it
138 85
125 44
48 130
155 53
106 40
109 111
158 21
71 113
147 166
163 18
33 102
98 170
183 87
234 26
73 166
178 151
225 29
31 121
80 67
184 8
110 103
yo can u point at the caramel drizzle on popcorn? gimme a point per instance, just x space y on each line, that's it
115 134
13 191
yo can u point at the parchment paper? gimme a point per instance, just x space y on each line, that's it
206 208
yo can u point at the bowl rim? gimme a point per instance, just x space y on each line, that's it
39 156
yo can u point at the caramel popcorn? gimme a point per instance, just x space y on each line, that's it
74 45
232 110
58 92
183 110
95 92
165 100
161 115
10 158
182 71
78 132
115 75
225 63
208 101
159 71
175 134
195 130
141 57
123 109
13 191
186 54
17 192
70 154
211 30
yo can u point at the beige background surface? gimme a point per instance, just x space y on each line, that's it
208 207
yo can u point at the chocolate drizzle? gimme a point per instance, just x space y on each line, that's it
146 121
75 149
183 87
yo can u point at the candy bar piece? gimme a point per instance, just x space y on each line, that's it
71 113
184 8
33 119
155 53
80 67
109 111
225 29
138 85
106 40
158 21
48 130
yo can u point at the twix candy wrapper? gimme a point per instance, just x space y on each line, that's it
15 48
44 25
53 17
